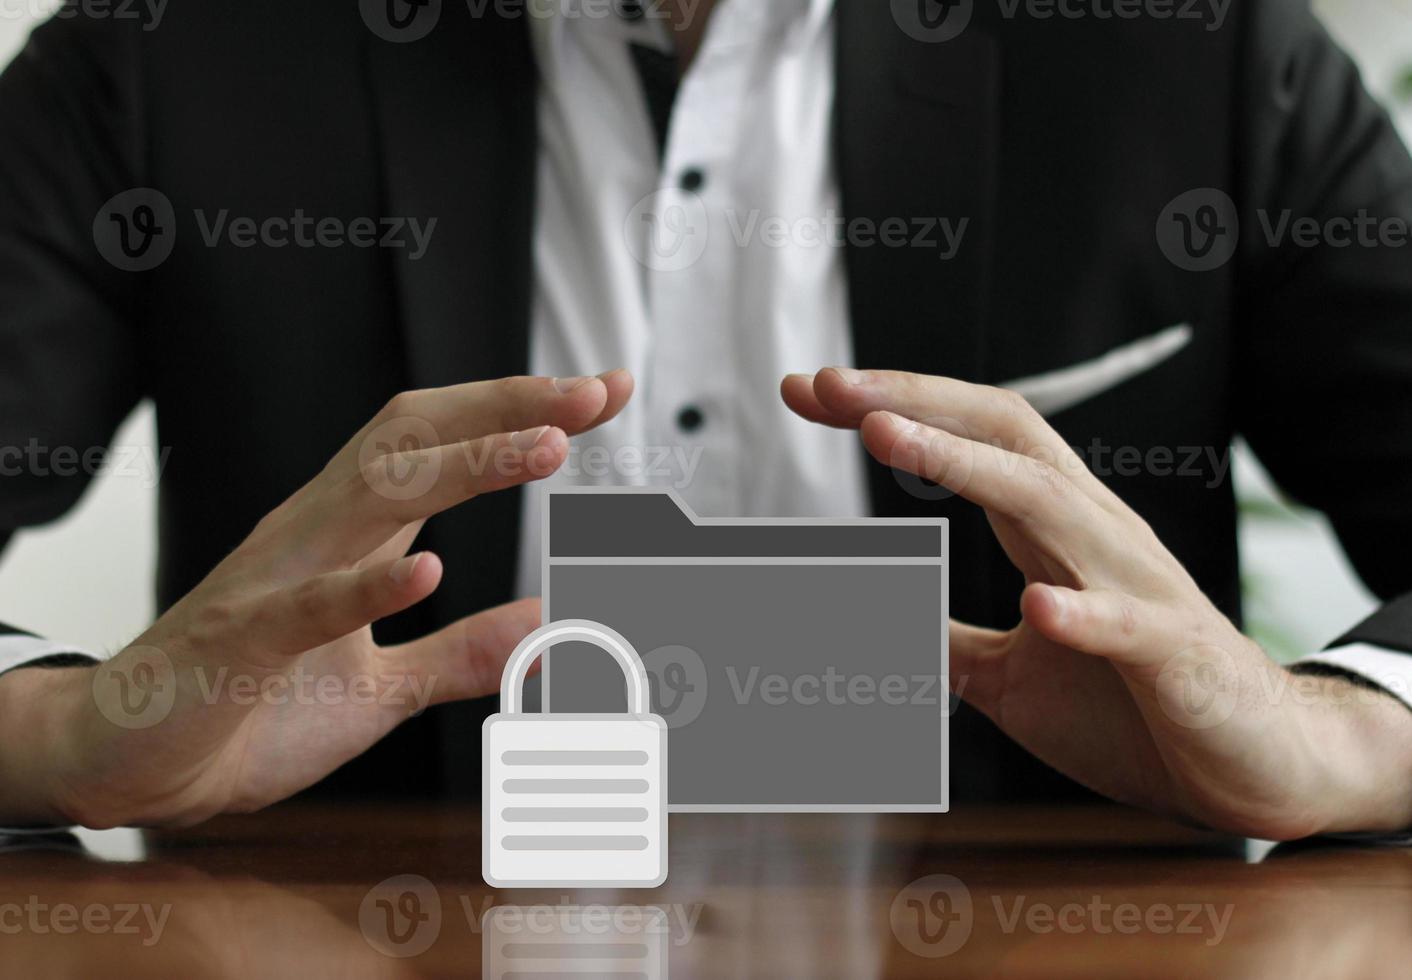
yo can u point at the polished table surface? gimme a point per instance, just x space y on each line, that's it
308 890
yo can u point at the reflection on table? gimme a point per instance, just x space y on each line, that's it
313 891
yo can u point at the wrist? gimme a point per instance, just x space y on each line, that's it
1359 740
41 722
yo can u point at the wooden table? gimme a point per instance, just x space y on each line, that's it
313 891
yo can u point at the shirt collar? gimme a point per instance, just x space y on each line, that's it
548 21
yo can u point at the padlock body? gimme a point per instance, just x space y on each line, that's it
574 800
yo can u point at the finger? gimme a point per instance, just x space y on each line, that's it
620 385
975 657
1050 508
327 607
376 503
991 414
797 390
470 411
417 420
467 658
980 412
395 547
1102 622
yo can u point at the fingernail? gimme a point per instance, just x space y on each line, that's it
1060 604
801 376
565 385
905 426
528 439
851 376
608 374
401 573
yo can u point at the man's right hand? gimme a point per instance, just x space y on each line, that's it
265 677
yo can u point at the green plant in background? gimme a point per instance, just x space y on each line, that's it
1257 590
1402 88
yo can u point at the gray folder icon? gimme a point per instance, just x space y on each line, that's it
800 664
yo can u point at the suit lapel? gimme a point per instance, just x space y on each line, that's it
916 129
916 126
455 112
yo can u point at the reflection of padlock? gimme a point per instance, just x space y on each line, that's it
574 799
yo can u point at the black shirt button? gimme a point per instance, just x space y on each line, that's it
693 179
690 418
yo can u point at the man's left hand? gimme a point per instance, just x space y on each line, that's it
1121 673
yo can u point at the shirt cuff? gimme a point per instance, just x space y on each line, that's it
1387 669
22 650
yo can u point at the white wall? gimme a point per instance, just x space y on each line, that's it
88 578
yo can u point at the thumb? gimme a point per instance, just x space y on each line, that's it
975 661
1113 625
465 660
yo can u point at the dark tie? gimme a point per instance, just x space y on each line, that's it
657 70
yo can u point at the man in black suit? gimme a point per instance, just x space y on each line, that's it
1062 143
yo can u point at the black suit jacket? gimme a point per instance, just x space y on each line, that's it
1061 142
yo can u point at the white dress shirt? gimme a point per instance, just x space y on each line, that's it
708 296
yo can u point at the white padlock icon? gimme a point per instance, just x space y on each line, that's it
574 800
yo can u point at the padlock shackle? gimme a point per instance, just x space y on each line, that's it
570 631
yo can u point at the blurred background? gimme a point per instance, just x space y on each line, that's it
88 578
